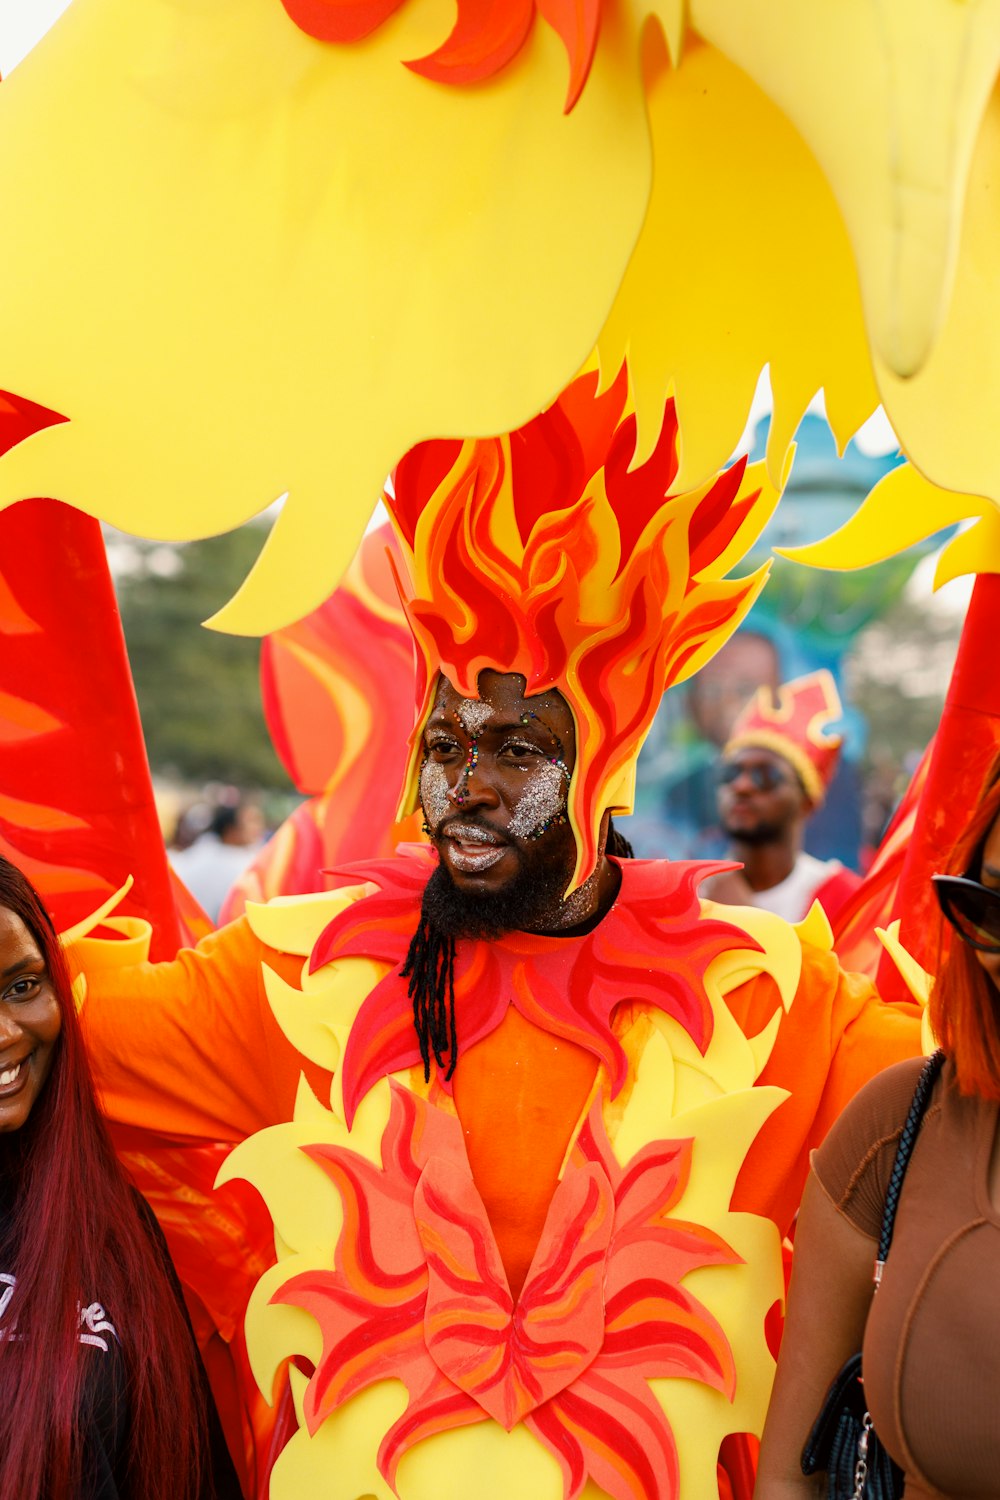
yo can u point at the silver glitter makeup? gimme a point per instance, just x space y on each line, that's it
434 793
472 714
575 908
542 798
578 906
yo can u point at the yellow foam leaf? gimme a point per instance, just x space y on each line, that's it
291 260
944 415
888 96
339 1462
901 509
303 1202
291 924
699 1416
780 955
976 550
914 976
743 259
815 928
276 1330
304 1020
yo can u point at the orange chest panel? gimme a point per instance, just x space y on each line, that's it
519 1094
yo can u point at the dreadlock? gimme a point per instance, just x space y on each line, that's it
430 968
618 844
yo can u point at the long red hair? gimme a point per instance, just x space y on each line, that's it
75 1234
964 1005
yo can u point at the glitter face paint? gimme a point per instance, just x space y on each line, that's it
542 800
472 714
458 793
434 794
570 910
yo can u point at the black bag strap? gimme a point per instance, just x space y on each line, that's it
907 1141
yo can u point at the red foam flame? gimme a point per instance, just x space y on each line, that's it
486 37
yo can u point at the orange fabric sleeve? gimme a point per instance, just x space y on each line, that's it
190 1048
837 1034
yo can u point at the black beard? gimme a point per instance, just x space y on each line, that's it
763 833
524 904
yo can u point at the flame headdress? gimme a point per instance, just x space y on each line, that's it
540 552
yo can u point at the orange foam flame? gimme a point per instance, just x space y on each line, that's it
540 553
483 40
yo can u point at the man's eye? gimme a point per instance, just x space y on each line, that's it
519 752
443 749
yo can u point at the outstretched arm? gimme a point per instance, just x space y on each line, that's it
190 1048
828 1303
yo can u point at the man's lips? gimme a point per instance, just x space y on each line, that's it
470 847
471 833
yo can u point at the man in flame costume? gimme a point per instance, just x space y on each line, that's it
529 1118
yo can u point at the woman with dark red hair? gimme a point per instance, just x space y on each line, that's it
102 1394
930 1353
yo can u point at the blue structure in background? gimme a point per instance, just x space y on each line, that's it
805 619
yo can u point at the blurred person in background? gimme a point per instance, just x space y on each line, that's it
774 772
210 865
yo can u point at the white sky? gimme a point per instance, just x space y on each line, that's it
22 22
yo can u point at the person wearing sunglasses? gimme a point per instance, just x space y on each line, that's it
930 1356
773 775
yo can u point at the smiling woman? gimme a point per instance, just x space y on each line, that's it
30 1021
101 1391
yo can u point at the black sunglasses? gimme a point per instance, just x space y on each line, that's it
973 909
764 778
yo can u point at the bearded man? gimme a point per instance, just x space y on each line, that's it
529 1118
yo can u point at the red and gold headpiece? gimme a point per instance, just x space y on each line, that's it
541 553
793 727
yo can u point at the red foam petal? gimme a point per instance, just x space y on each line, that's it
19 418
339 20
577 22
485 37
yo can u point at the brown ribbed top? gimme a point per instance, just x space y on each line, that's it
932 1344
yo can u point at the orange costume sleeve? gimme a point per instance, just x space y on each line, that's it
837 1034
190 1049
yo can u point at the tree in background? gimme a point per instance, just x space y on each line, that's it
198 691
